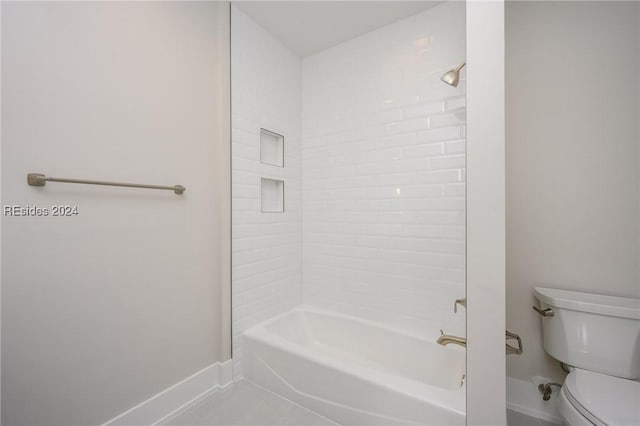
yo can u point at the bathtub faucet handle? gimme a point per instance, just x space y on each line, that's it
462 302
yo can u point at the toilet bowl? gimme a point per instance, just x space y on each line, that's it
598 337
593 398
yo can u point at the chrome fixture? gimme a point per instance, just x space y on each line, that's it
452 77
462 302
38 179
545 389
445 339
544 312
512 350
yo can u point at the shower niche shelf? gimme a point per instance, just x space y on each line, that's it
272 191
271 148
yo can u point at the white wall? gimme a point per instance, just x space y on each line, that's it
102 310
572 159
267 247
383 174
486 375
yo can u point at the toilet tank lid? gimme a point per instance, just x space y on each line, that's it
624 307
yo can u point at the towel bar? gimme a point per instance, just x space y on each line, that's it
38 179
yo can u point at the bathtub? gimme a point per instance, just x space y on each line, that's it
356 372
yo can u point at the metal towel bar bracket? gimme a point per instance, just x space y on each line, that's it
512 350
38 179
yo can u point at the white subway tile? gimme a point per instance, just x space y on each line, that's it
411 125
267 247
439 135
425 150
455 190
384 117
455 147
447 119
448 162
383 233
396 141
424 109
438 176
383 203
456 103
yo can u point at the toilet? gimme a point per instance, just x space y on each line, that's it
597 337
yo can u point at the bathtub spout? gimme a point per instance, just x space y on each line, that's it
445 339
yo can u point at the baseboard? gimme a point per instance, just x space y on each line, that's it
524 397
176 397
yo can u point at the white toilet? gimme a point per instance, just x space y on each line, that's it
598 338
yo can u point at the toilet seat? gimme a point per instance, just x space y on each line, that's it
573 413
602 400
569 414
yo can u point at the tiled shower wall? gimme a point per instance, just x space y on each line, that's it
267 258
383 174
374 157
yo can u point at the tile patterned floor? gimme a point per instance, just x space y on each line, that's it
515 418
245 404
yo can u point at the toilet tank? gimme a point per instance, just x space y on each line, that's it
592 331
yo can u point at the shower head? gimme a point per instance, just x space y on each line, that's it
452 77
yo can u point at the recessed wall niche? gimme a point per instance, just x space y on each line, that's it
271 148
272 196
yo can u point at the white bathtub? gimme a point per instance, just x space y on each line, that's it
356 372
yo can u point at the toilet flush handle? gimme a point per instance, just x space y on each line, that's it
544 312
